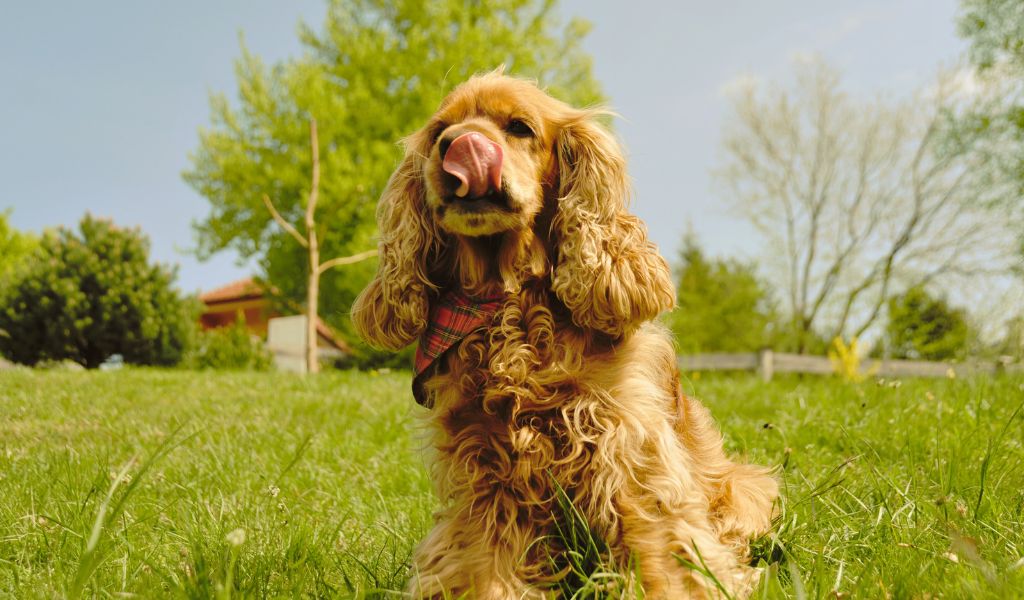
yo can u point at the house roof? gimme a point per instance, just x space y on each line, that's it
243 289
248 289
325 332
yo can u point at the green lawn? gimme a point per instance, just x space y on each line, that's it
914 491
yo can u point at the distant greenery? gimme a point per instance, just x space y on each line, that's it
995 31
90 294
373 75
1012 344
722 305
228 348
924 327
15 248
272 485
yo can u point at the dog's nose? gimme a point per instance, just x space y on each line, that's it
475 161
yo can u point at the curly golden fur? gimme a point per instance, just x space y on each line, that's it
570 380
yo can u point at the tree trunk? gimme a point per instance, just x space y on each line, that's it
312 299
312 245
313 289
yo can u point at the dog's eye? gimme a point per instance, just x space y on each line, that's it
436 131
518 128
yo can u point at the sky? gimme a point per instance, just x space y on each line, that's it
100 103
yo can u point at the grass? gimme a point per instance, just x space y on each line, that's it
171 483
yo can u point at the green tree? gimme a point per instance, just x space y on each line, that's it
926 328
15 248
374 74
995 29
722 305
995 113
93 294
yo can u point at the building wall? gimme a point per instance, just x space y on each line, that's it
256 313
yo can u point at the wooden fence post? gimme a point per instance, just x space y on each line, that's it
766 364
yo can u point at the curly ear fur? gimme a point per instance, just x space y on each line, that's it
392 311
607 273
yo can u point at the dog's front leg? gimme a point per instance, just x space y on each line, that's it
678 554
458 559
741 496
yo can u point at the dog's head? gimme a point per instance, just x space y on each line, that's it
502 184
490 155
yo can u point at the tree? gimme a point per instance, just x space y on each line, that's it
925 328
315 268
722 306
858 197
373 75
995 113
15 248
91 295
995 30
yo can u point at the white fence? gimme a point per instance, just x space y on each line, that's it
767 363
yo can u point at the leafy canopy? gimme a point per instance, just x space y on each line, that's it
373 75
995 31
15 247
89 295
926 328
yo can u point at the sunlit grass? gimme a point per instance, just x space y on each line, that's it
164 483
322 476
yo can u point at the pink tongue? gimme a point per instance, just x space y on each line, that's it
476 162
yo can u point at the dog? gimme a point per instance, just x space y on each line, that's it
506 247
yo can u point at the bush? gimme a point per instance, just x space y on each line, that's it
87 296
229 348
925 328
722 305
15 249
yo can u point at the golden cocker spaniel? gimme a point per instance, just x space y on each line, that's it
507 248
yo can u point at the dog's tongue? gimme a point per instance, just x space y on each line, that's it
476 162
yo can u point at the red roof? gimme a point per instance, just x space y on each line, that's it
325 332
248 289
243 289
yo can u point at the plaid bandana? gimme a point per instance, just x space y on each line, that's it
453 317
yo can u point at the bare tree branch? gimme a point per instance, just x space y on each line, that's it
284 224
312 244
313 285
861 199
314 188
346 260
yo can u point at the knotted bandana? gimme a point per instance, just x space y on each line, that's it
454 316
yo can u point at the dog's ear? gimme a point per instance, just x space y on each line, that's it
607 272
392 311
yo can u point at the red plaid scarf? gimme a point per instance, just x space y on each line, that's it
453 317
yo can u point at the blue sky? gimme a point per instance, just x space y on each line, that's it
100 103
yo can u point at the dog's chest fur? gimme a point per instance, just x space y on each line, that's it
511 412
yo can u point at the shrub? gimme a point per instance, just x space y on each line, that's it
722 305
86 296
229 348
926 328
15 248
847 361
